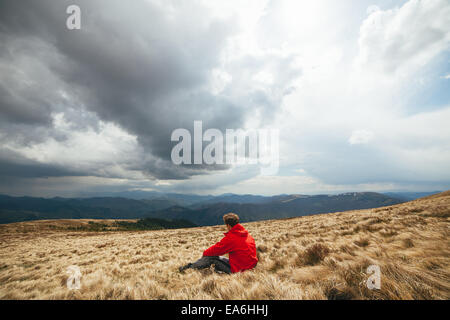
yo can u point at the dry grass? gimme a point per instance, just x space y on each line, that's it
314 257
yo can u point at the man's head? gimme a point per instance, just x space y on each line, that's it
230 219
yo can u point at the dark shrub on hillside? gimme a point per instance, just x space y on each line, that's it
315 254
335 293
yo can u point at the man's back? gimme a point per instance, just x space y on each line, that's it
241 248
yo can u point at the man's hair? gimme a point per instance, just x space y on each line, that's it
231 218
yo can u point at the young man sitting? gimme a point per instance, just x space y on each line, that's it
238 243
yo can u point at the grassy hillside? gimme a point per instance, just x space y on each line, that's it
313 257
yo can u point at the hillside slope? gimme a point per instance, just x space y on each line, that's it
313 257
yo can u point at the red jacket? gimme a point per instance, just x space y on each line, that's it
240 246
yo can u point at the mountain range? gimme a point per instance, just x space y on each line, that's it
199 209
277 207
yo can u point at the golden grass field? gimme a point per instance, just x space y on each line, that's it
315 257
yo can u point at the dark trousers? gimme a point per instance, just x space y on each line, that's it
220 263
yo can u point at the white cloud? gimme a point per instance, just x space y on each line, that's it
264 77
402 40
360 137
374 88
102 152
220 79
266 185
372 8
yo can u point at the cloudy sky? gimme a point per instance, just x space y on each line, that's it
359 91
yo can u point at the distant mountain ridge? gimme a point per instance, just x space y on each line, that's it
408 196
201 210
282 207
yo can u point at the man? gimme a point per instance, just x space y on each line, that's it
238 243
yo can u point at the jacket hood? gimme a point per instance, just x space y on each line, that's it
239 230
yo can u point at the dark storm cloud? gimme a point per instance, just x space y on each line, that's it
14 165
136 64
